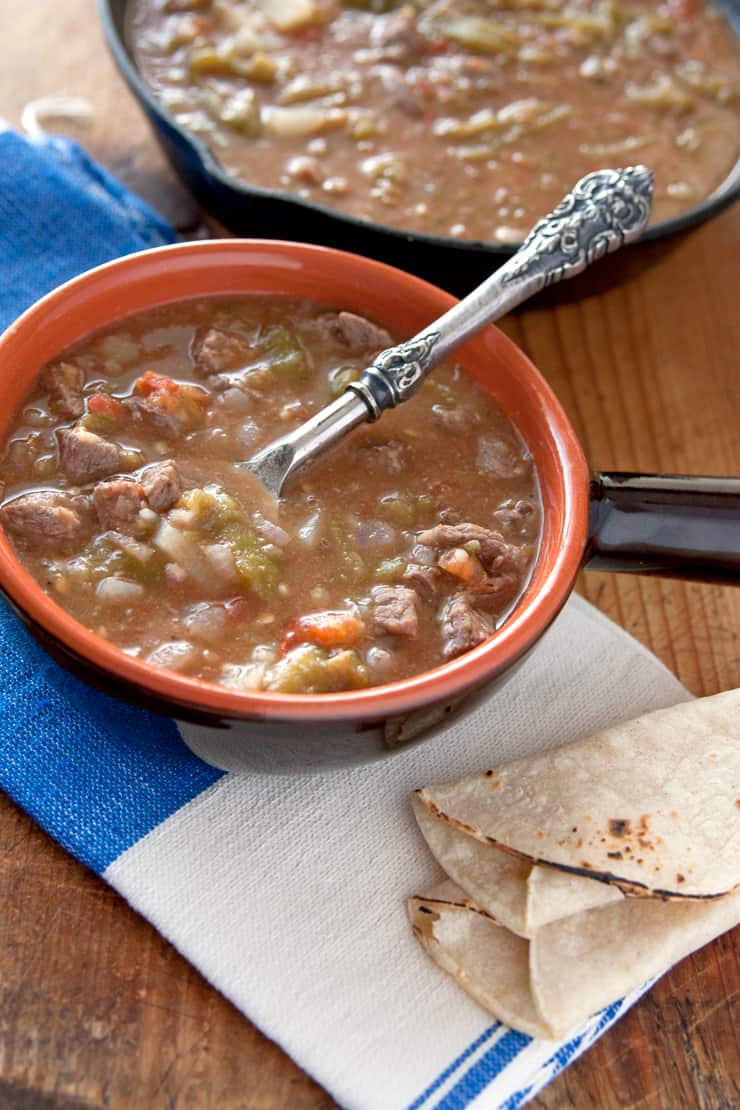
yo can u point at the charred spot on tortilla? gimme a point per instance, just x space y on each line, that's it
680 878
620 826
455 824
614 855
459 903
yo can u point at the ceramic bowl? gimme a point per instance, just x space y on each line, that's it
352 724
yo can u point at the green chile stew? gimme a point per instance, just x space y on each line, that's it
405 546
462 118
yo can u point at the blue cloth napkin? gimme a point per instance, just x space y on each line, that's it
60 214
288 895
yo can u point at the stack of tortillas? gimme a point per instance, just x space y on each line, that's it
578 874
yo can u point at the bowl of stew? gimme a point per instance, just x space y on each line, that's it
368 125
363 607
409 569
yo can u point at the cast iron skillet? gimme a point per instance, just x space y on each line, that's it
245 209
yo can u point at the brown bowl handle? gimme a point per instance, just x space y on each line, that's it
673 525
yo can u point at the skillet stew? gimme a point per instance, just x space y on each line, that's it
121 493
460 118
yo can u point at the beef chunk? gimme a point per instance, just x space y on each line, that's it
462 626
491 595
494 550
162 485
42 516
355 332
395 610
423 579
217 350
171 414
64 383
86 456
117 504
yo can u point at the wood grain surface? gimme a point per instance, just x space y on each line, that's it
96 1009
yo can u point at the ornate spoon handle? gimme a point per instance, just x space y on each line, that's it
604 211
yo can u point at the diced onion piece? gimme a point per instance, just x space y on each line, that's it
522 111
243 676
175 573
181 548
177 655
205 621
481 34
379 659
619 146
290 15
221 558
310 532
121 348
680 190
301 120
303 88
118 591
663 93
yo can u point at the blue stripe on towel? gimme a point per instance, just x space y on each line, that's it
96 773
560 1059
443 1076
484 1071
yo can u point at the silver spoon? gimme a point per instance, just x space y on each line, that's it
605 210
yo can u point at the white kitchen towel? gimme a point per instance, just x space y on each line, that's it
288 892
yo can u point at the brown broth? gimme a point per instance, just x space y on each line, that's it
346 526
468 120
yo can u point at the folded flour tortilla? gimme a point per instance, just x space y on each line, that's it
651 807
583 871
521 895
549 985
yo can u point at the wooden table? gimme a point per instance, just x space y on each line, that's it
95 1008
